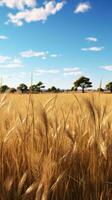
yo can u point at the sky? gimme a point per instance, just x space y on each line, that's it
55 41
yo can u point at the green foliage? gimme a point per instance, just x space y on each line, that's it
109 86
4 88
73 89
23 88
40 86
83 82
32 88
37 87
53 89
11 90
100 89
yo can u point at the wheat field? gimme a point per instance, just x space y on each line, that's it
56 146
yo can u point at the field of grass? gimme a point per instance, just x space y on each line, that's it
56 147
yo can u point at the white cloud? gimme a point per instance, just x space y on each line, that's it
19 4
91 39
7 62
96 49
10 65
42 54
31 53
17 61
82 7
72 71
66 71
107 68
3 37
44 57
55 55
36 14
53 71
49 71
14 79
3 59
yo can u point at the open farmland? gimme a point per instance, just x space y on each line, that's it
56 146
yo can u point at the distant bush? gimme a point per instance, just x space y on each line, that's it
53 89
74 88
100 90
11 90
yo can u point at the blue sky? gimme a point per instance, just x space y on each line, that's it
57 41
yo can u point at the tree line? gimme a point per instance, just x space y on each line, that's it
82 83
23 88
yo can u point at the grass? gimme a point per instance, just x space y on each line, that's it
56 147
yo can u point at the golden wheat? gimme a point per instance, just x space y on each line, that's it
56 147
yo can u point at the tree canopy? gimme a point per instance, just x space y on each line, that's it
109 86
100 89
82 82
37 87
22 87
53 89
4 88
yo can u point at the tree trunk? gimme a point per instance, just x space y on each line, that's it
83 90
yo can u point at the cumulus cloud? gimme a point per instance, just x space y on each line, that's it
95 49
72 71
107 68
91 39
31 53
3 37
35 14
19 4
82 7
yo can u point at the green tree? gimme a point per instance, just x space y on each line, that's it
100 89
39 86
11 90
53 89
4 88
32 88
73 89
83 82
109 86
23 88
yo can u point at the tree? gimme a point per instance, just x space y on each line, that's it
83 82
39 86
100 89
32 88
22 87
4 88
53 89
73 89
109 86
11 90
